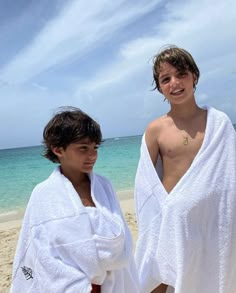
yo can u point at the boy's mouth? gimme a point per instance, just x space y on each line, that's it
89 163
177 92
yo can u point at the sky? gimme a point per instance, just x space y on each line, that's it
97 55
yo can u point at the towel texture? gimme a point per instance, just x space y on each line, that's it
187 238
65 246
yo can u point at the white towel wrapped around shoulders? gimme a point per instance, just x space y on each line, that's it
65 246
187 238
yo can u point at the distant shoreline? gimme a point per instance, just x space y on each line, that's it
41 145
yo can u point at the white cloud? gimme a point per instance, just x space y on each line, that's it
78 28
117 91
42 88
184 27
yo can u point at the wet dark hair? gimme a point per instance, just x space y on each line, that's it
69 125
177 57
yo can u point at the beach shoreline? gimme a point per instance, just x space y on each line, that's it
18 214
10 224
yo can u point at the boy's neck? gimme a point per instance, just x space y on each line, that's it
184 112
75 178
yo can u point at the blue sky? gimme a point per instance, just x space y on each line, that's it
96 55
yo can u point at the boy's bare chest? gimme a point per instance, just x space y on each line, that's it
178 153
182 137
180 143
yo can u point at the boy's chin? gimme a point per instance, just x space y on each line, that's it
88 169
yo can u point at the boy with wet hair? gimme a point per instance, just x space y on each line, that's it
74 237
185 189
177 57
63 130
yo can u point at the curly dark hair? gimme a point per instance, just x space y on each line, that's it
177 57
69 125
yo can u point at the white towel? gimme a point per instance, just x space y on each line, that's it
187 238
64 246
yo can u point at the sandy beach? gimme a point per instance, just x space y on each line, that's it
9 233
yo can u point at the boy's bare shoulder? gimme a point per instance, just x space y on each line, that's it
157 124
153 132
152 136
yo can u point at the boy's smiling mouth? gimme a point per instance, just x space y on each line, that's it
177 92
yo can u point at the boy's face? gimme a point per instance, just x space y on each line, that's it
177 86
78 157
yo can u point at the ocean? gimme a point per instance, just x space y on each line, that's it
22 168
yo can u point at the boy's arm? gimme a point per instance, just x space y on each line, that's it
151 138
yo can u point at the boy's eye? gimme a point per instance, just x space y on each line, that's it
165 80
83 147
182 74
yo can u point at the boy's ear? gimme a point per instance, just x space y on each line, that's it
58 151
195 80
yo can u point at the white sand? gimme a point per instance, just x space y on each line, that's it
9 233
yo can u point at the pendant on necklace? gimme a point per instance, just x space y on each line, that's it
185 141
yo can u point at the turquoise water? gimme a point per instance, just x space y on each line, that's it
22 168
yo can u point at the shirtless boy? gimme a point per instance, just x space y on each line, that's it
175 140
178 135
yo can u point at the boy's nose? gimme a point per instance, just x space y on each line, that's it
174 81
92 154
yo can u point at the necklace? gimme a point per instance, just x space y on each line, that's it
185 141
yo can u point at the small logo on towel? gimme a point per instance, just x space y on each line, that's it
27 272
